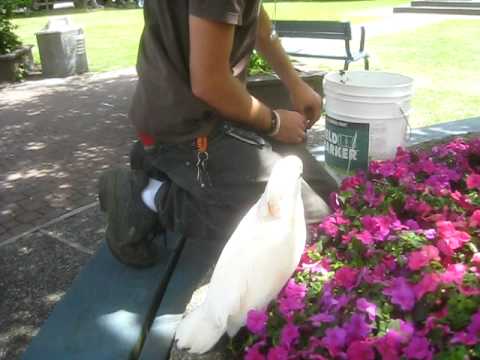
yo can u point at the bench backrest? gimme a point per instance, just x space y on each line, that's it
314 29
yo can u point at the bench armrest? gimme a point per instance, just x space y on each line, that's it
362 38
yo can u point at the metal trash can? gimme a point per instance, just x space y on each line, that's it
62 48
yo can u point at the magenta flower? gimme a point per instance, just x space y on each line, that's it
346 277
378 226
473 181
388 347
418 348
277 353
369 308
404 332
401 293
329 226
360 350
474 327
429 283
365 237
289 335
464 338
257 321
253 353
292 297
418 259
334 340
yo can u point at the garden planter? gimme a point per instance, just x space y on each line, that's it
270 90
9 63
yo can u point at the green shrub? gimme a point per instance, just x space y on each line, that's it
9 41
258 65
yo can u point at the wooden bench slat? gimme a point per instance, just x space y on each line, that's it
314 29
197 257
105 312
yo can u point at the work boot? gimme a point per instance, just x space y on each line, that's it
131 224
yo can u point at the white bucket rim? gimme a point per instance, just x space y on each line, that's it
333 115
409 80
369 99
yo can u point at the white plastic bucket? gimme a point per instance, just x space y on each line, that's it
367 117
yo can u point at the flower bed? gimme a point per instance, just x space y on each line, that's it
395 273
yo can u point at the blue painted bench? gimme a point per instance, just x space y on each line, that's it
113 312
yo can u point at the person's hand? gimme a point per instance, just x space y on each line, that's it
307 102
292 127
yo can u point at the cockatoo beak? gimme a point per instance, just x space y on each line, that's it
274 209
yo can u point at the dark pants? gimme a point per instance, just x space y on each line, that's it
238 171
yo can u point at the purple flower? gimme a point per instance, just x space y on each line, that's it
334 340
404 332
418 348
257 321
357 328
369 308
360 350
277 353
289 335
474 327
401 293
319 319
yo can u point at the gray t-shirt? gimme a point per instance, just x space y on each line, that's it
163 105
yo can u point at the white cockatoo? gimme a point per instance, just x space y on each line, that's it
255 264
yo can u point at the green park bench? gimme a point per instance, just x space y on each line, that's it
331 30
114 312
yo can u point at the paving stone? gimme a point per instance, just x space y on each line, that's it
86 229
39 269
27 217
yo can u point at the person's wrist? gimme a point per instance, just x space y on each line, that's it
275 123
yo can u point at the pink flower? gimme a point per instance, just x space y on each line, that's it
401 293
404 332
360 350
365 237
418 348
418 259
346 277
277 353
289 335
454 274
257 321
451 239
476 259
334 340
464 338
429 283
475 219
473 181
367 307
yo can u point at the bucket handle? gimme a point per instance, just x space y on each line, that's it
405 118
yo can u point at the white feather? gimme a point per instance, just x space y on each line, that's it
255 264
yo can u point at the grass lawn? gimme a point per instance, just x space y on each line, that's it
443 58
111 35
355 11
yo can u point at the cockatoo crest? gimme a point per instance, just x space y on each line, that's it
278 196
